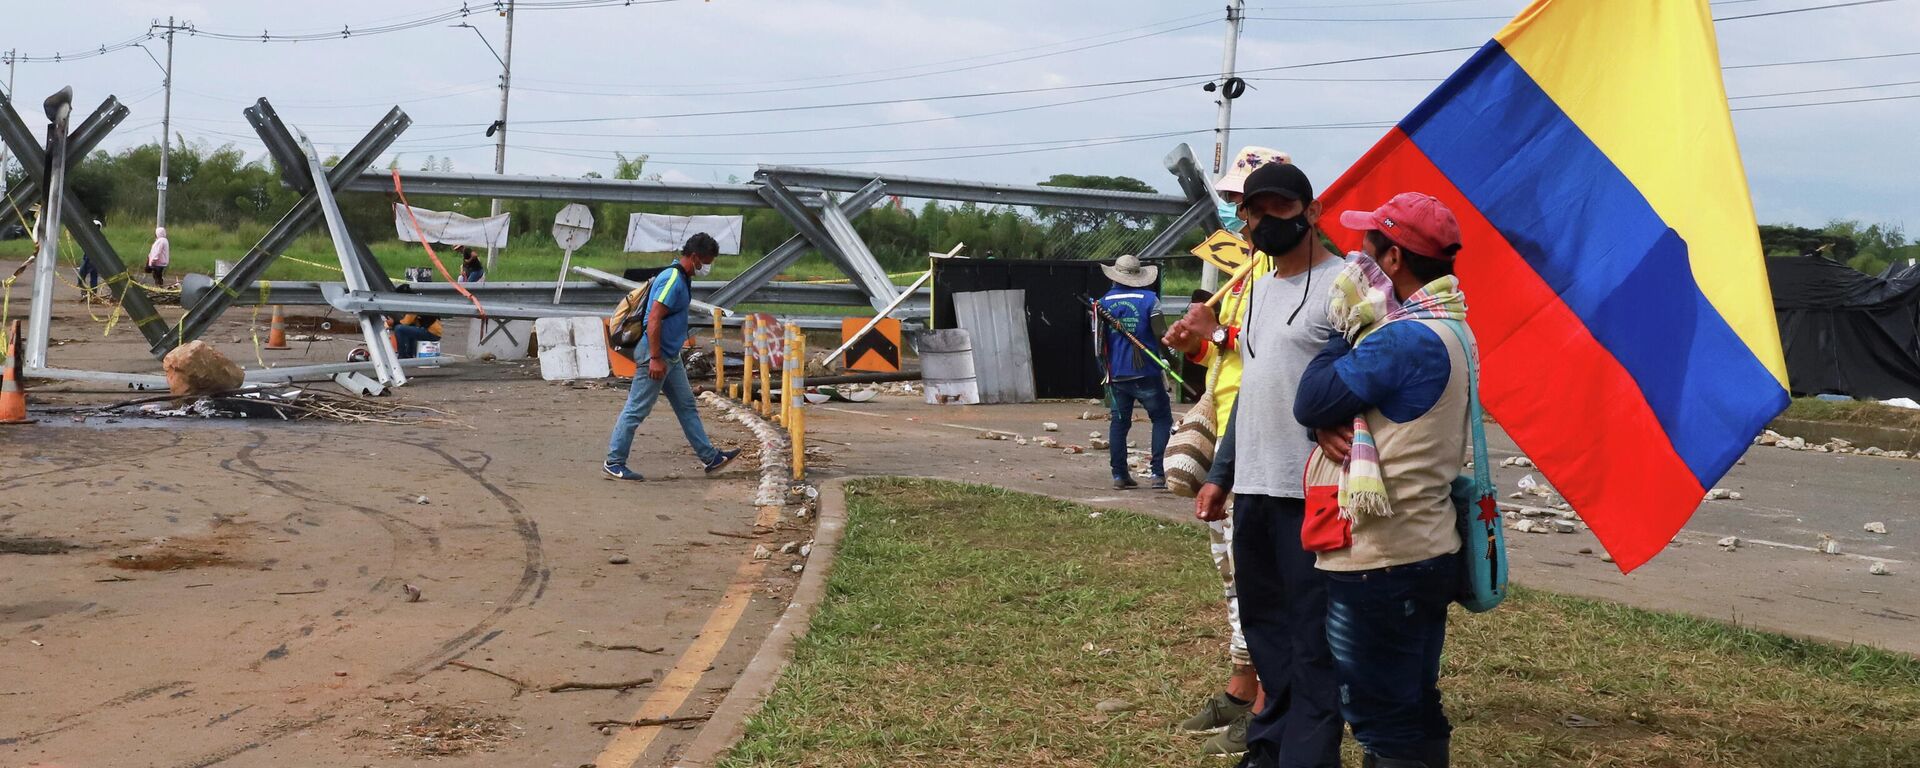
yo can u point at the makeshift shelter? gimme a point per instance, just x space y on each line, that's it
1847 332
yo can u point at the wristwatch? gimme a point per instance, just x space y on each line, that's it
1219 335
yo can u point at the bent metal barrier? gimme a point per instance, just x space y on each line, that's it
805 197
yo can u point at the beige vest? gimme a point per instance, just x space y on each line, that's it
1418 461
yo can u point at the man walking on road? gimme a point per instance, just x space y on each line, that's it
1131 376
1283 599
658 354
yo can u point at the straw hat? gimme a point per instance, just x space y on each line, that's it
1244 161
1128 271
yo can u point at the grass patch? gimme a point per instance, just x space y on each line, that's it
1862 412
971 626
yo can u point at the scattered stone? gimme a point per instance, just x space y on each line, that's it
1768 437
1517 461
339 673
1099 444
1821 449
1019 441
1872 451
1529 526
1838 444
1878 568
1516 495
1073 450
806 550
196 368
1049 426
796 568
1791 444
412 592
1114 706
1095 435
1511 515
1564 526
1718 494
1735 496
420 499
760 552
1899 455
789 547
1047 442
1586 550
1828 545
1875 527
1606 558
1087 416
1730 543
620 560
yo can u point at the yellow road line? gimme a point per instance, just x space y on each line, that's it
629 744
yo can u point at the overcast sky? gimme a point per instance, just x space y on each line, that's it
628 68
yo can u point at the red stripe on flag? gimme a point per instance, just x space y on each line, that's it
1560 395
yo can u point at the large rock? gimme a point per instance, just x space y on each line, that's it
196 368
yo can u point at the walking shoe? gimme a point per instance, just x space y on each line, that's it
721 461
1215 715
1159 483
1124 483
620 472
1231 741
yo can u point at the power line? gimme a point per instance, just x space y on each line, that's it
1824 90
1824 61
1803 10
893 78
1825 103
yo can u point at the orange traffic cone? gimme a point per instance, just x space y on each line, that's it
277 332
13 399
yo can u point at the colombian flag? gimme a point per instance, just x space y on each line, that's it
1610 259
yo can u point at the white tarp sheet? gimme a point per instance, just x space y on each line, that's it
452 228
654 232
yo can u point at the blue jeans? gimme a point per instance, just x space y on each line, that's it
407 338
1386 627
1283 613
640 399
1151 392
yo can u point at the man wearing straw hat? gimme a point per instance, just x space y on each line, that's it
1211 340
1131 376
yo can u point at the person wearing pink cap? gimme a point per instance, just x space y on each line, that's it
1395 381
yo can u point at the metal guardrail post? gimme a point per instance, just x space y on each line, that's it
373 326
1196 217
833 235
79 220
294 223
980 191
785 254
84 140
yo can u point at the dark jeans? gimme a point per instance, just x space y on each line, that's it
159 274
89 277
1283 611
1150 392
1386 627
407 338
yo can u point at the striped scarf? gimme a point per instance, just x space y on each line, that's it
1363 302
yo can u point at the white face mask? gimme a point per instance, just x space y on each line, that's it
703 270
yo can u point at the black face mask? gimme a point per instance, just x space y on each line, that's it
1276 236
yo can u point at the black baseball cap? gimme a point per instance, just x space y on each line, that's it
1283 179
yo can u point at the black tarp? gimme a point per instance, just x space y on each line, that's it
1846 332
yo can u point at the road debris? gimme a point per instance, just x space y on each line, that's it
1517 461
518 684
1729 543
618 560
1114 706
412 592
1878 568
650 722
1048 426
575 685
1875 527
1827 545
760 552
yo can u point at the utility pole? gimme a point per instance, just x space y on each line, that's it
500 148
1225 92
166 127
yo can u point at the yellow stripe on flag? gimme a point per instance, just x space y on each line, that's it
1641 78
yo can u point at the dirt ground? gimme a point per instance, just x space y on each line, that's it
183 592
